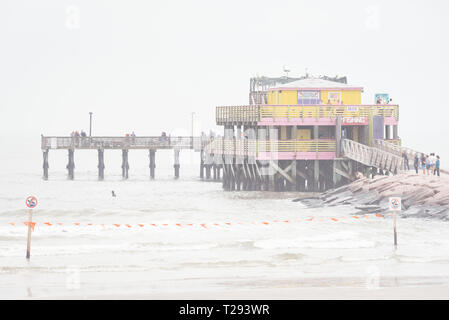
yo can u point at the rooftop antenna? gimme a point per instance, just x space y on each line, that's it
307 74
286 70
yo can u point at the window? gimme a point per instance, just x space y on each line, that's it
334 97
309 97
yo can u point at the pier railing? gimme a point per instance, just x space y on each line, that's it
372 156
255 113
123 142
248 147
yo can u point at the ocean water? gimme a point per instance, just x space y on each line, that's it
166 235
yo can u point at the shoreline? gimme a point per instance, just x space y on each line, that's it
310 293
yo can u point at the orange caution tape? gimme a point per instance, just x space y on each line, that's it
153 225
334 219
32 224
165 224
89 224
129 226
12 223
140 225
59 224
48 223
379 215
203 225
117 225
190 224
286 221
228 223
355 217
178 224
310 219
77 223
265 222
216 224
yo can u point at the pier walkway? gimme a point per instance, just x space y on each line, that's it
151 143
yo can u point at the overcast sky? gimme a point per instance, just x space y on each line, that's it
146 65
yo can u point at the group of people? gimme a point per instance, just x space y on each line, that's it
428 163
77 136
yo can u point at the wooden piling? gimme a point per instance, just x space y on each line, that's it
45 165
125 164
101 164
176 164
152 156
71 165
202 164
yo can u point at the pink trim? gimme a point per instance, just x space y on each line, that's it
299 156
329 105
354 121
390 121
316 89
297 121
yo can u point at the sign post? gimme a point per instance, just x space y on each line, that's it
395 205
31 203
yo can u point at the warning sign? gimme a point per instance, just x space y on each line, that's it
395 204
31 202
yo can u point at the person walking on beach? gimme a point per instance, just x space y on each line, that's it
423 163
416 163
437 166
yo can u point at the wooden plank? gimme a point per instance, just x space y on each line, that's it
276 167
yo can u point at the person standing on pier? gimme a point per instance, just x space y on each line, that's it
133 137
437 166
416 163
428 164
404 156
432 162
423 163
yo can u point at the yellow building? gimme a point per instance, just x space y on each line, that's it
313 91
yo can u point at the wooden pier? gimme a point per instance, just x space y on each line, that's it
293 136
151 143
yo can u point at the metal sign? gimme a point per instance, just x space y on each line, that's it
31 202
395 204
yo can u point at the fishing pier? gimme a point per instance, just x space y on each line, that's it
152 144
296 134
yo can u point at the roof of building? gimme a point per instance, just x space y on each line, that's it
315 84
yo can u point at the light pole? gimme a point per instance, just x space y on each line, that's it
90 125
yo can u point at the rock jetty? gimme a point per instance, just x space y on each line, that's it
424 196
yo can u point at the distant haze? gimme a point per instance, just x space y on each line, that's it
146 65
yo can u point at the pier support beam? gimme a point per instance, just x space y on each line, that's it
152 163
45 165
395 132
294 184
125 164
71 165
338 135
202 164
176 165
100 164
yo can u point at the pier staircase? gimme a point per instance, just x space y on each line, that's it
382 155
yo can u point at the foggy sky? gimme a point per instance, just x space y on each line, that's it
146 65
